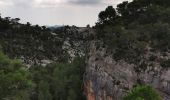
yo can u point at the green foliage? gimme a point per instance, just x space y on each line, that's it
107 16
142 93
135 27
68 80
60 81
44 93
15 80
29 41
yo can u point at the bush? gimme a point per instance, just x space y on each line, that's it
165 63
142 93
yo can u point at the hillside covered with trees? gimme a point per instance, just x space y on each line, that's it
42 68
39 63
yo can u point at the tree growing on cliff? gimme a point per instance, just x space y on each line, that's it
107 16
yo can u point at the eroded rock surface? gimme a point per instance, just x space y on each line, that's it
107 79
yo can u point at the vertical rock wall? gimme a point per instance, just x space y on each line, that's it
107 79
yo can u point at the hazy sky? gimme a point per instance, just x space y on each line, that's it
55 12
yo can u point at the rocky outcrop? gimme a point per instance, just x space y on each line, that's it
107 79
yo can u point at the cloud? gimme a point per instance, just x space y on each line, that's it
52 12
85 2
5 2
18 3
49 3
56 3
89 3
23 3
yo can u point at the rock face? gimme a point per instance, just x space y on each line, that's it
107 79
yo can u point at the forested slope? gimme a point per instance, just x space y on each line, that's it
125 56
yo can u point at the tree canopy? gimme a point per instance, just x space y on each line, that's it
15 80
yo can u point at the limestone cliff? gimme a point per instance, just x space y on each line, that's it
108 79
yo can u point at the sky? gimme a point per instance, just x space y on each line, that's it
55 12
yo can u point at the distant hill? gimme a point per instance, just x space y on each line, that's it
55 27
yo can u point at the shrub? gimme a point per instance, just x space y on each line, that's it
165 63
142 93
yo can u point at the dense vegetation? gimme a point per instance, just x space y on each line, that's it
127 31
60 81
142 93
134 28
29 42
15 80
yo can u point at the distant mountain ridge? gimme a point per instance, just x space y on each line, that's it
55 27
